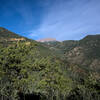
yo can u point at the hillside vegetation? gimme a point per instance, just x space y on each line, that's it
68 70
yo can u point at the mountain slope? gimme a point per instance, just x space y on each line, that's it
86 54
51 70
8 38
4 33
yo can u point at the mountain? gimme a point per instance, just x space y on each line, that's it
60 47
8 38
84 53
4 33
49 69
47 40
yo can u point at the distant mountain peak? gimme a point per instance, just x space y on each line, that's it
47 40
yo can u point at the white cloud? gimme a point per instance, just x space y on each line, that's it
70 19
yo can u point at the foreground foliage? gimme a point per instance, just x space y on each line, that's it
24 70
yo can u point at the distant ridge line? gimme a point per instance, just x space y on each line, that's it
47 40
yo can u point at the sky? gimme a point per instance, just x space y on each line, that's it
60 19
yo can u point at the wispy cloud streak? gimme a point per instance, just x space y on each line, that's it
69 19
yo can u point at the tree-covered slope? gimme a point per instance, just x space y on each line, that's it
83 56
7 37
23 70
48 71
4 33
61 47
86 54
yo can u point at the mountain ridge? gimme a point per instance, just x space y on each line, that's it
51 70
47 40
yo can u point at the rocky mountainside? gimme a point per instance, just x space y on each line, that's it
84 53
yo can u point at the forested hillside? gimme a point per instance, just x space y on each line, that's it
68 70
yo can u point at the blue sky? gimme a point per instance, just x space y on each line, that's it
60 19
